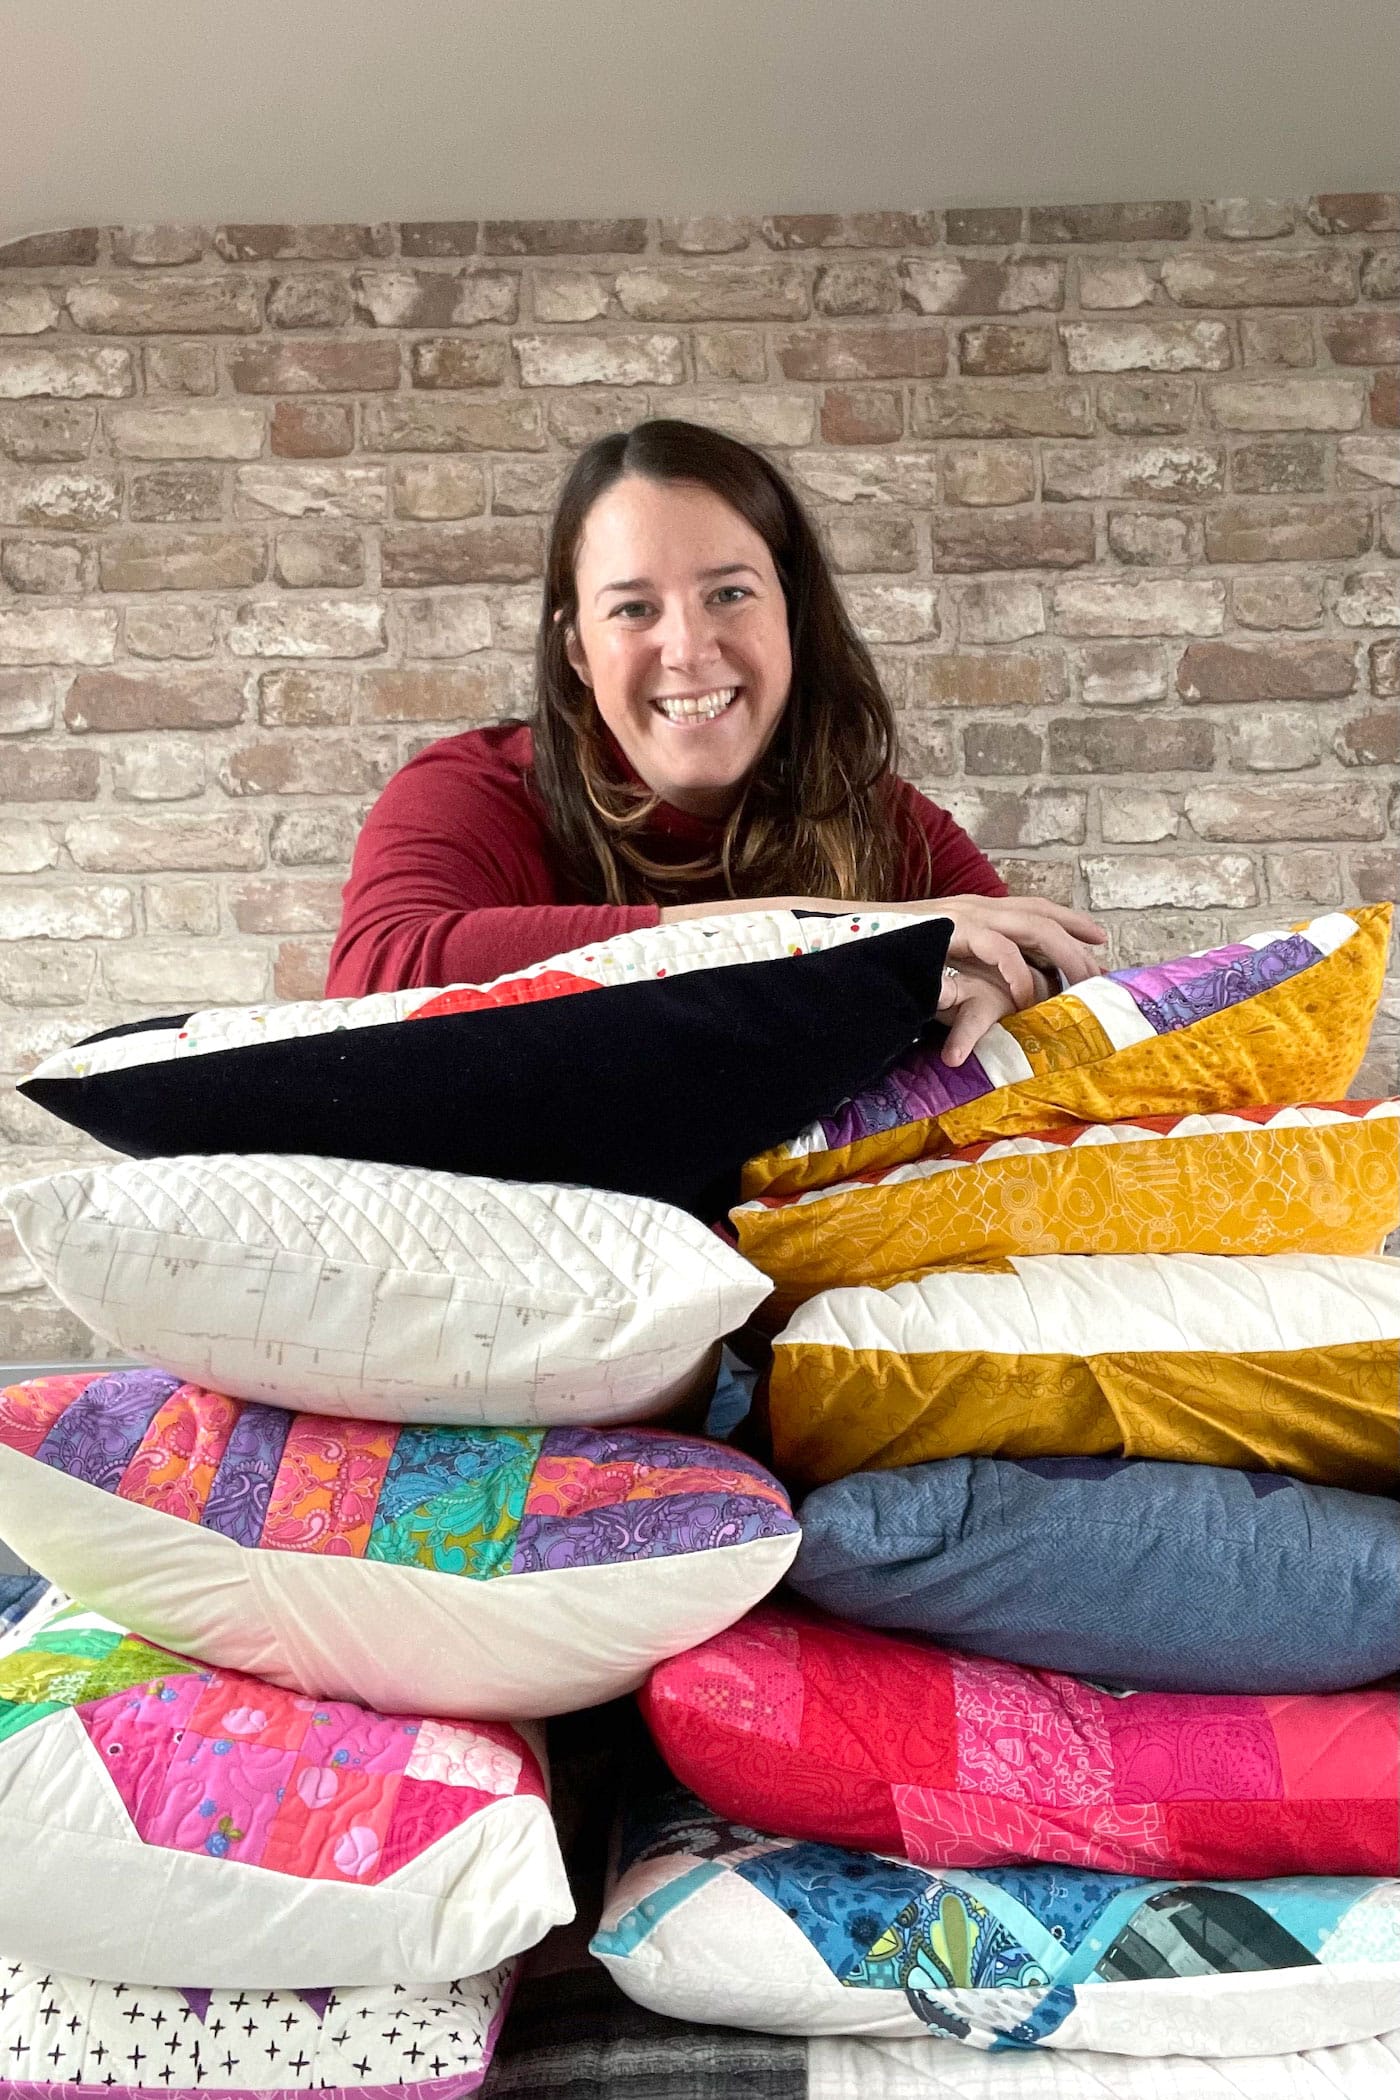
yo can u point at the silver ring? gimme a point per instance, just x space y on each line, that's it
948 970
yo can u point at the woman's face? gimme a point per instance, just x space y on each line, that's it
682 635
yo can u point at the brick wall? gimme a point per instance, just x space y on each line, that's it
1114 491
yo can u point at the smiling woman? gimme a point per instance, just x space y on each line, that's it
710 734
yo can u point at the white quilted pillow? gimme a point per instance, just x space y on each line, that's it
392 1293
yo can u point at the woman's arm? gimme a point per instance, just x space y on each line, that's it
451 882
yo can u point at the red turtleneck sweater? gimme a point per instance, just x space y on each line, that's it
455 879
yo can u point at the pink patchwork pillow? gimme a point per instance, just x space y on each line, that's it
804 1727
162 1822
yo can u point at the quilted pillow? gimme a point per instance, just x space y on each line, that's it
812 1729
659 1082
1286 1361
483 1572
1179 1578
69 2038
1323 1180
1272 1018
390 1292
163 1818
713 1921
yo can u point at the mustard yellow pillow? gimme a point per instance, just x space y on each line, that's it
1314 1180
1286 1362
1273 1018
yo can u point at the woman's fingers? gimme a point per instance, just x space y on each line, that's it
969 1006
985 945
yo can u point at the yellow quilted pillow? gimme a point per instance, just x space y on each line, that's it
1286 1362
1273 1018
1316 1180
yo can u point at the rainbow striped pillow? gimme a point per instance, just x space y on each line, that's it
493 1573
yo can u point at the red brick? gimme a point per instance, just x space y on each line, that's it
1277 339
298 699
300 969
326 243
1079 473
325 765
730 353
1151 539
1370 740
1271 600
313 299
270 905
860 543
1385 668
46 430
1373 882
1155 407
1323 810
313 429
859 229
950 285
996 348
182 561
419 237
1116 744
179 495
1281 466
1270 277
467 693
995 408
1363 211
1385 400
449 361
703 234
306 560
433 423
496 551
1275 531
314 368
1024 540
1256 672
1003 678
130 700
564 236
863 287
48 773
1103 223
42 251
1038 878
995 226
867 415
166 305
863 353
49 568
1380 272
1363 338
1001 747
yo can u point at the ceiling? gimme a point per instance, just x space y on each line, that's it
301 110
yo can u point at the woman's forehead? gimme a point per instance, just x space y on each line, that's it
642 530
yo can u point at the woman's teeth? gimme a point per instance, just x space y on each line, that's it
702 708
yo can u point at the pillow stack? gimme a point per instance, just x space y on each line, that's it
1094 1375
409 1279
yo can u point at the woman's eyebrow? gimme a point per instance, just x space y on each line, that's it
643 583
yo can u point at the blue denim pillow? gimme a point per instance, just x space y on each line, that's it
1168 1577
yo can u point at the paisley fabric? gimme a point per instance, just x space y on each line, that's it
1008 1957
1277 1018
443 1568
816 1730
1286 1363
1311 1180
171 1757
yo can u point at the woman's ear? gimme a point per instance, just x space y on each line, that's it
578 662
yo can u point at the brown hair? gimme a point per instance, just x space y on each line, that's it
815 817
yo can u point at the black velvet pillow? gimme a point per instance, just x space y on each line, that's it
661 1087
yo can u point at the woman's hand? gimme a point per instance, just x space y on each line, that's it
1012 936
973 999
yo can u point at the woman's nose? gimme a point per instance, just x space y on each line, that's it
687 636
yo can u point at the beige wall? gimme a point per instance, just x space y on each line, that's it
1114 492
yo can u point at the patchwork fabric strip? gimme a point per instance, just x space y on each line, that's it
1309 1180
478 1503
998 1958
1155 1039
211 1762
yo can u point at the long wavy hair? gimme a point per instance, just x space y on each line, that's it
815 817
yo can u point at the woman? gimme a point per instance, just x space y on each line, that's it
710 735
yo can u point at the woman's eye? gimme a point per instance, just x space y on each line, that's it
733 592
633 605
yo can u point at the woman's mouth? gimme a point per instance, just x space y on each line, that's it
697 707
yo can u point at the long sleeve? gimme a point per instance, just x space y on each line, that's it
451 881
941 860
